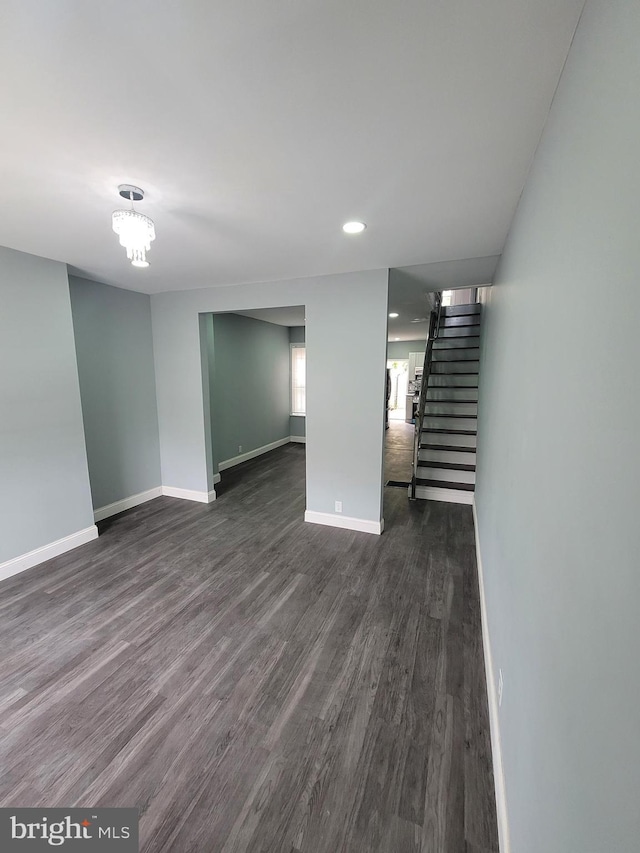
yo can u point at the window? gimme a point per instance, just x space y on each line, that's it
298 379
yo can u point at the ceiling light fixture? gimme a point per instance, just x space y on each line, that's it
136 231
393 315
353 227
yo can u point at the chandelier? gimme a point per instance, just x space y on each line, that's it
136 231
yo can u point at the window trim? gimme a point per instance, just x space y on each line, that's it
292 413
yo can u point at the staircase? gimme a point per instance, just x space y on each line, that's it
446 421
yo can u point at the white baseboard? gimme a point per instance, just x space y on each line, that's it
47 552
364 525
126 503
494 717
150 494
189 494
251 454
452 496
299 439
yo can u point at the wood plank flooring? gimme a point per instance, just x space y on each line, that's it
254 683
398 456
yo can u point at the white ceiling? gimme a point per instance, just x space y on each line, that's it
258 128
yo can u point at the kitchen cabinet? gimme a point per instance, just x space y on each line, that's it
416 360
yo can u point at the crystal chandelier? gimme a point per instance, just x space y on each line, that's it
136 231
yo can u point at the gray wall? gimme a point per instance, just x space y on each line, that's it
344 454
401 349
559 468
44 482
207 367
249 384
296 422
117 386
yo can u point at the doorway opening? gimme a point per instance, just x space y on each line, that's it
254 386
398 388
400 428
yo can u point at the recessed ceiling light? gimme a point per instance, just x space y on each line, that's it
419 320
353 227
396 339
394 315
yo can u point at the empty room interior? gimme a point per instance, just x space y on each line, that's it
318 419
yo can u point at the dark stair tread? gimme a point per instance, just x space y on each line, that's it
474 317
459 310
451 349
448 466
454 373
451 431
449 402
448 415
475 324
445 484
447 448
475 373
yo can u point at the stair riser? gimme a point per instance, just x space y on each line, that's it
425 456
456 343
457 310
447 475
437 394
448 495
442 381
443 367
455 354
449 423
435 408
454 332
452 440
449 322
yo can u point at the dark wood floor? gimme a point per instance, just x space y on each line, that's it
398 456
254 683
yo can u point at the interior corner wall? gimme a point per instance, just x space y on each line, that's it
249 385
346 354
44 481
114 349
297 425
558 490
